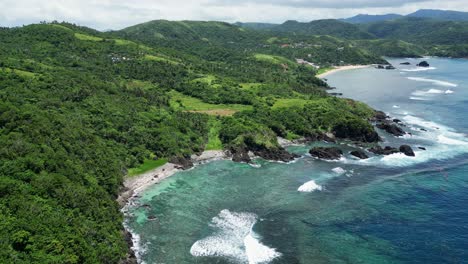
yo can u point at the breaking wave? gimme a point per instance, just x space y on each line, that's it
436 82
234 239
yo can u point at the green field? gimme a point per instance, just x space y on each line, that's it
19 72
158 58
87 37
192 104
148 165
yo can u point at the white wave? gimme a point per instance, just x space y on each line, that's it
255 165
450 141
396 106
442 142
234 239
430 92
309 187
339 170
419 69
418 98
436 82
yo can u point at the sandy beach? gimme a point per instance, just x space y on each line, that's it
133 186
342 68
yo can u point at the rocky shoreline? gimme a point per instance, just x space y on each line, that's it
134 186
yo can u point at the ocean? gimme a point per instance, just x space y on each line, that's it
392 209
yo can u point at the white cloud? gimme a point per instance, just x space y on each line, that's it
107 14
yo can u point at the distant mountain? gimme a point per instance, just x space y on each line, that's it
441 14
420 31
364 18
329 27
257 26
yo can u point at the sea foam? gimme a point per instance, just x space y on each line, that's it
309 187
436 82
234 239
419 69
339 170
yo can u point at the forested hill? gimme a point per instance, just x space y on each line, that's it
421 31
412 36
329 27
80 109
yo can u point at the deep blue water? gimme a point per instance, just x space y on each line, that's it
393 209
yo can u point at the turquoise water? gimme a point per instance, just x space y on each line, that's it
394 209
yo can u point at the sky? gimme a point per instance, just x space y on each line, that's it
117 14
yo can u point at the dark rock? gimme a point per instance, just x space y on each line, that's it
240 155
423 129
397 121
405 63
349 130
278 154
359 154
391 129
130 258
422 148
389 67
332 153
380 67
185 163
383 151
423 64
152 218
319 137
380 116
407 150
336 94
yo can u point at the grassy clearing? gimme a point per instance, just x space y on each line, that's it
272 59
285 103
21 73
87 37
214 143
250 86
147 165
188 103
158 58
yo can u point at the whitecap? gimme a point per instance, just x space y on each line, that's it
396 106
436 82
234 239
339 170
419 69
449 91
429 92
451 141
309 187
442 142
418 98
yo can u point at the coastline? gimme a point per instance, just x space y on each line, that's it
133 186
342 68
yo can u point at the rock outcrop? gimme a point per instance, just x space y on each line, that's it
359 154
423 64
278 154
325 153
391 129
185 163
384 151
407 150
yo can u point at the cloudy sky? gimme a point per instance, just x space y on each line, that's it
117 14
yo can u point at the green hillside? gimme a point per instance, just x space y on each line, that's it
80 109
